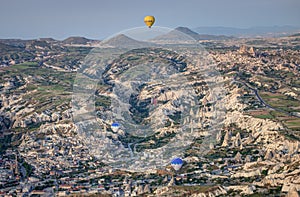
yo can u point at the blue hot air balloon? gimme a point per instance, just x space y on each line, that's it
176 163
115 126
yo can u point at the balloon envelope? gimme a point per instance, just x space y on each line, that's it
176 163
115 126
149 20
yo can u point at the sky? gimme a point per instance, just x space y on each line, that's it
98 19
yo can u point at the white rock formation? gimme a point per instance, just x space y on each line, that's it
269 155
237 141
248 158
253 173
147 189
172 182
219 136
226 141
238 157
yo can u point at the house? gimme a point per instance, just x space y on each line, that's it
62 193
65 186
37 192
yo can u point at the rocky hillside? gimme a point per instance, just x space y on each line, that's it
76 40
235 122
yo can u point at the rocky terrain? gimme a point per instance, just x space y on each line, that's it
254 149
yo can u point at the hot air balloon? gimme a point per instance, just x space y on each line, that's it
149 20
115 126
176 163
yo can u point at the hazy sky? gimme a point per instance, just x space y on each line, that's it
99 19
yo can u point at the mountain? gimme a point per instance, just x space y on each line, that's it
49 40
23 43
188 31
76 40
197 36
15 42
295 35
6 49
178 35
252 31
124 41
188 34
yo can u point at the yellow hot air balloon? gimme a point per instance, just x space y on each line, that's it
149 20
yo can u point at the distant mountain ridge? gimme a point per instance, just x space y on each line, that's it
295 35
5 48
69 40
198 33
252 31
15 42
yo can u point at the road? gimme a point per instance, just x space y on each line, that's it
261 100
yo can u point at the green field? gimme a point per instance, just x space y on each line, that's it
45 88
23 66
293 124
193 189
264 116
280 101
